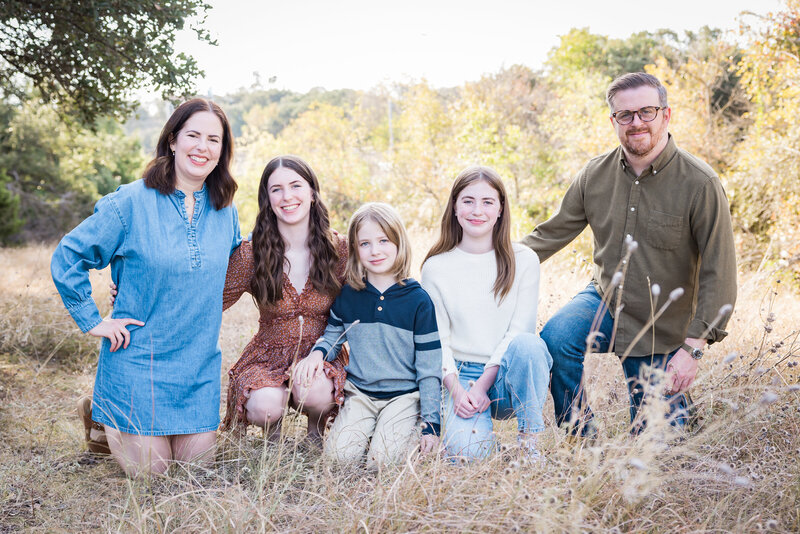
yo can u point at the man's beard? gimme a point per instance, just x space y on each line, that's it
642 147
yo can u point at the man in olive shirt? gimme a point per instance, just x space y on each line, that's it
669 207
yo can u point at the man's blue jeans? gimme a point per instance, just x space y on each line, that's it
520 389
565 334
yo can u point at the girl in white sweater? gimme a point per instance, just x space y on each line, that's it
485 291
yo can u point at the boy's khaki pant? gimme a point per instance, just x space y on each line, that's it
386 429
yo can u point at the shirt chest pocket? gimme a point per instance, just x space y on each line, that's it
664 231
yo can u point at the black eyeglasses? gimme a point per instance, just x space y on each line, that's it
646 114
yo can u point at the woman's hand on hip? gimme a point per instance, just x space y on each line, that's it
116 332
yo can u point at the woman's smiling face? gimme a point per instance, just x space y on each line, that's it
290 196
197 147
477 209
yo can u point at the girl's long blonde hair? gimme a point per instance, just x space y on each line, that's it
387 218
451 232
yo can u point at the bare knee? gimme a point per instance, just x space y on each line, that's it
316 398
194 447
139 455
265 406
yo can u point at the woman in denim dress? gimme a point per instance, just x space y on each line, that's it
167 238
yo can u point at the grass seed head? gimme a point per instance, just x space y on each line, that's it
655 290
637 463
768 397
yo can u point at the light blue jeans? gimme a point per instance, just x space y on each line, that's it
520 389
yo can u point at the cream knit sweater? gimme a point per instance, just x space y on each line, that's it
473 327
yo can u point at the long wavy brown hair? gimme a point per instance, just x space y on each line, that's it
160 172
451 232
269 247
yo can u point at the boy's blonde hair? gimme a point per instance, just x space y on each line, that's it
389 220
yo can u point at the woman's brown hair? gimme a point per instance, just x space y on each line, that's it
390 222
451 232
269 247
160 172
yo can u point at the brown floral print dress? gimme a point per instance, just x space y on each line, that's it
265 361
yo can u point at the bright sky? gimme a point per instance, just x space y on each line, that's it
359 44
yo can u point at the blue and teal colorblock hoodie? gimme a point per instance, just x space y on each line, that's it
394 348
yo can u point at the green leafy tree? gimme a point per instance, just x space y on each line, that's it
765 181
88 57
10 222
329 137
57 172
424 160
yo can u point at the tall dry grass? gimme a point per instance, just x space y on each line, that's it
736 471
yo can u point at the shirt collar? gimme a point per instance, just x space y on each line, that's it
197 194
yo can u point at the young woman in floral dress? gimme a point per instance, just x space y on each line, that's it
294 267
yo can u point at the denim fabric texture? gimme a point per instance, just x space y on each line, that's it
565 334
170 273
520 389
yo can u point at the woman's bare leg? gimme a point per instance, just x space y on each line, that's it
264 406
317 402
195 448
139 455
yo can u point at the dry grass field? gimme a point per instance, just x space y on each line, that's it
737 470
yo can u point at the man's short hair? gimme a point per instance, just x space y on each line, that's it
632 80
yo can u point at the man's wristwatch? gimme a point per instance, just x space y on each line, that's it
694 352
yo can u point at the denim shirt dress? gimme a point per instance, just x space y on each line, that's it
170 273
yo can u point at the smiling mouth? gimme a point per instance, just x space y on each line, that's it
475 221
200 160
377 262
291 208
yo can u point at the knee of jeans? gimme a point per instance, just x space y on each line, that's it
560 336
525 342
529 350
466 442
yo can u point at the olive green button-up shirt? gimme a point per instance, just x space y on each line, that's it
678 214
